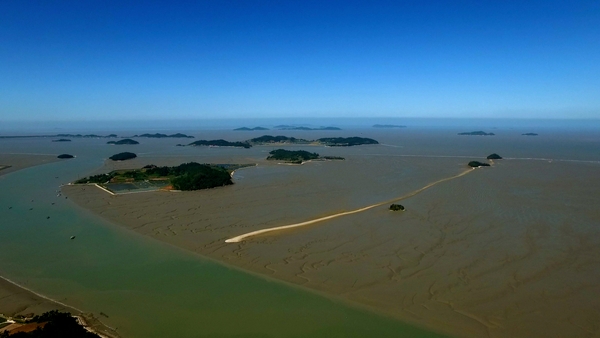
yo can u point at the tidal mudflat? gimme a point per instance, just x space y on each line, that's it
500 252
142 287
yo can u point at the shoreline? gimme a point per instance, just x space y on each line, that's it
17 299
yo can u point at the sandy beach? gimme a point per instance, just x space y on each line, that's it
500 252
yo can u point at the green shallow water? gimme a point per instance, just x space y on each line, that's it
147 288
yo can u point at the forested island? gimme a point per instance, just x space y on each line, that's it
389 126
477 164
268 139
123 156
326 141
123 141
220 143
157 135
530 134
298 156
187 176
477 133
346 141
62 140
65 156
250 129
494 156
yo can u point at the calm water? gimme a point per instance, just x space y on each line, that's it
148 289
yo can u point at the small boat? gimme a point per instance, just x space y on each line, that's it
72 237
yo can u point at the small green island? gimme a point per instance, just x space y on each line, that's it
494 156
220 143
62 140
477 164
123 156
187 176
397 207
298 156
158 135
530 134
123 141
65 156
477 133
250 129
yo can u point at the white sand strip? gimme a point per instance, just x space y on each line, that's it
284 227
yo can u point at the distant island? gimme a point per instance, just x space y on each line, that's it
86 136
494 156
187 176
477 164
291 127
62 140
477 133
327 141
123 141
65 156
388 126
251 129
346 141
220 143
298 156
123 156
530 134
268 139
157 135
62 135
397 207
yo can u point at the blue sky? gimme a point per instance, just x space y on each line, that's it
107 60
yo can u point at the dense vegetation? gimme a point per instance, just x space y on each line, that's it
187 176
494 156
123 141
195 176
267 139
250 129
396 207
57 325
220 143
99 179
157 135
65 156
62 140
477 133
123 156
346 141
292 156
477 164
